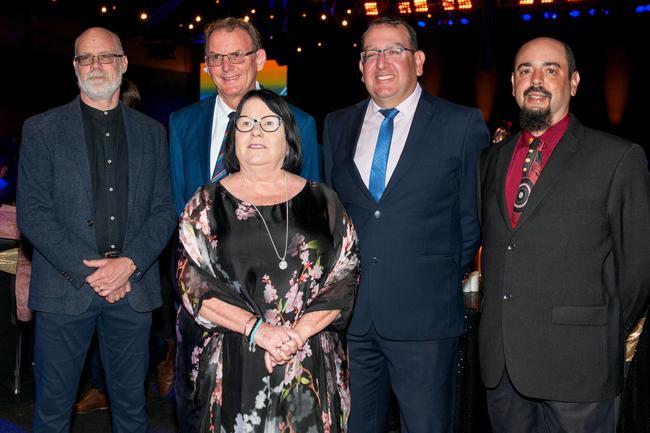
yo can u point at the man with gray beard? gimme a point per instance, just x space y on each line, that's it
94 199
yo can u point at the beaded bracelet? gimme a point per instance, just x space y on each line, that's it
251 337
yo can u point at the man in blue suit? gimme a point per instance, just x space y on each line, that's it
233 55
403 164
94 199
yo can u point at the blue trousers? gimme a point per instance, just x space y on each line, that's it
61 343
420 373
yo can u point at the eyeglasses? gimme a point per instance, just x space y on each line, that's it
236 57
269 123
104 59
393 53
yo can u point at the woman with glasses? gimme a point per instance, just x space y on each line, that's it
268 267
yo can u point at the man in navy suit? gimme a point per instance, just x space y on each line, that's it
94 199
415 213
233 55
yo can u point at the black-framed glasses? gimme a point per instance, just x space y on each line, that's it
391 53
270 123
216 59
104 59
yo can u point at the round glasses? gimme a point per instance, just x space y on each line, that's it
104 59
269 123
217 59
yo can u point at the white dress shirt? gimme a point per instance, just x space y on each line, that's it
370 131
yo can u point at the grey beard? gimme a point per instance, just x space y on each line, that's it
102 93
535 120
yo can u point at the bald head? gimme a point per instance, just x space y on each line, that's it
94 33
570 59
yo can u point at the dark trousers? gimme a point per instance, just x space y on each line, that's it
511 412
61 343
421 374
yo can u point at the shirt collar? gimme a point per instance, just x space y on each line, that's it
406 107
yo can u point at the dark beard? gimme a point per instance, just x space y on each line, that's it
535 120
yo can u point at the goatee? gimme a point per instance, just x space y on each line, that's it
535 120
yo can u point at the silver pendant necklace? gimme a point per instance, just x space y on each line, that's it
283 263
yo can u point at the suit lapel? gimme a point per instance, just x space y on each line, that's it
424 123
76 137
134 143
204 134
562 155
502 165
355 123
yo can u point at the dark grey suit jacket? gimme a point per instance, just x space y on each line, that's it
562 286
56 212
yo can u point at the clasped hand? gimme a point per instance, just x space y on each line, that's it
280 344
111 278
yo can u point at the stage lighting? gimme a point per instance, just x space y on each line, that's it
404 7
371 8
421 6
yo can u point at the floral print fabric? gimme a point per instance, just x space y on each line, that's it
226 254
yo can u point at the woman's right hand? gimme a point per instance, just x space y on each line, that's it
279 342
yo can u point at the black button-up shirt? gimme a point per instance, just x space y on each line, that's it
109 169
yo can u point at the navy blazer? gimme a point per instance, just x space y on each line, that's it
55 208
417 243
190 136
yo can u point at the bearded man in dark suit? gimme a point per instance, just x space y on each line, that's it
95 201
566 257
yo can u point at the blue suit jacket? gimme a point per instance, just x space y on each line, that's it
190 136
418 241
55 208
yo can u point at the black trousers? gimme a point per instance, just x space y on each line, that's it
511 412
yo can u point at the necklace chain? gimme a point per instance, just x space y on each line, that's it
283 263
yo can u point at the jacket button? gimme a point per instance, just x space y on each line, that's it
89 222
374 260
377 213
507 296
511 247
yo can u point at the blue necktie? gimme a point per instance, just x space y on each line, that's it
220 171
377 181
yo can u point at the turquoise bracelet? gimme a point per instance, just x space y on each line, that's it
251 337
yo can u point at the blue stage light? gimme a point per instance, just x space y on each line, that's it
574 14
422 23
450 22
592 12
606 12
547 15
464 21
526 17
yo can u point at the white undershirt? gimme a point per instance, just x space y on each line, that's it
370 131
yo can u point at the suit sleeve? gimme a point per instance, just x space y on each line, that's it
629 214
311 152
475 140
155 231
176 165
37 214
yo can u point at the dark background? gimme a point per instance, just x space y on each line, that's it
463 61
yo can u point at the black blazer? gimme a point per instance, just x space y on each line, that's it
419 240
562 286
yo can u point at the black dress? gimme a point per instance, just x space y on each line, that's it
227 254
